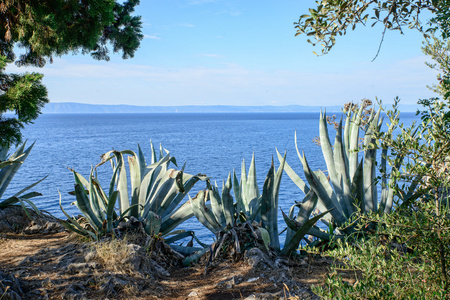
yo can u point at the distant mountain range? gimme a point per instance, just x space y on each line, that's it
71 107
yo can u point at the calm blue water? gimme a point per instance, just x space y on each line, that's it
211 144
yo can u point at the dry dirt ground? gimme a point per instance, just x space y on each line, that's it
61 266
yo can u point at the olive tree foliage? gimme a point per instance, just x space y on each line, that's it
42 29
439 51
407 256
331 18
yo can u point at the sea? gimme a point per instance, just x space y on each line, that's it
214 144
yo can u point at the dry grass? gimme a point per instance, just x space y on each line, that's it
113 255
130 290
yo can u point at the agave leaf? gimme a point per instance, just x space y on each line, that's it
250 188
267 207
14 199
341 183
178 216
177 188
30 203
183 232
73 225
94 200
370 204
153 159
112 182
243 179
294 177
142 163
321 192
384 187
166 191
327 149
319 233
227 202
8 162
7 173
294 242
178 236
240 207
152 224
353 141
198 211
358 187
110 213
124 215
307 206
346 139
188 183
265 237
122 184
83 205
216 205
161 152
81 179
3 153
205 208
135 180
157 178
269 204
391 190
193 257
146 186
370 189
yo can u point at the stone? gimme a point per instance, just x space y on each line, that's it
74 292
266 296
230 283
14 219
192 294
258 259
82 268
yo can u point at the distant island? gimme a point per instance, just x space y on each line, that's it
72 107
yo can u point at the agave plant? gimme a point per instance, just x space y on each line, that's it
9 165
155 198
351 185
221 213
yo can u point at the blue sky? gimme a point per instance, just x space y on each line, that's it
242 52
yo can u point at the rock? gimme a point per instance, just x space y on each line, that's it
258 259
131 225
266 296
113 285
14 219
82 268
230 283
74 292
192 294
281 263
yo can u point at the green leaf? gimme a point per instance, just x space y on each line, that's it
294 242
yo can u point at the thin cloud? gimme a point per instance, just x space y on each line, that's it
187 25
153 37
112 82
